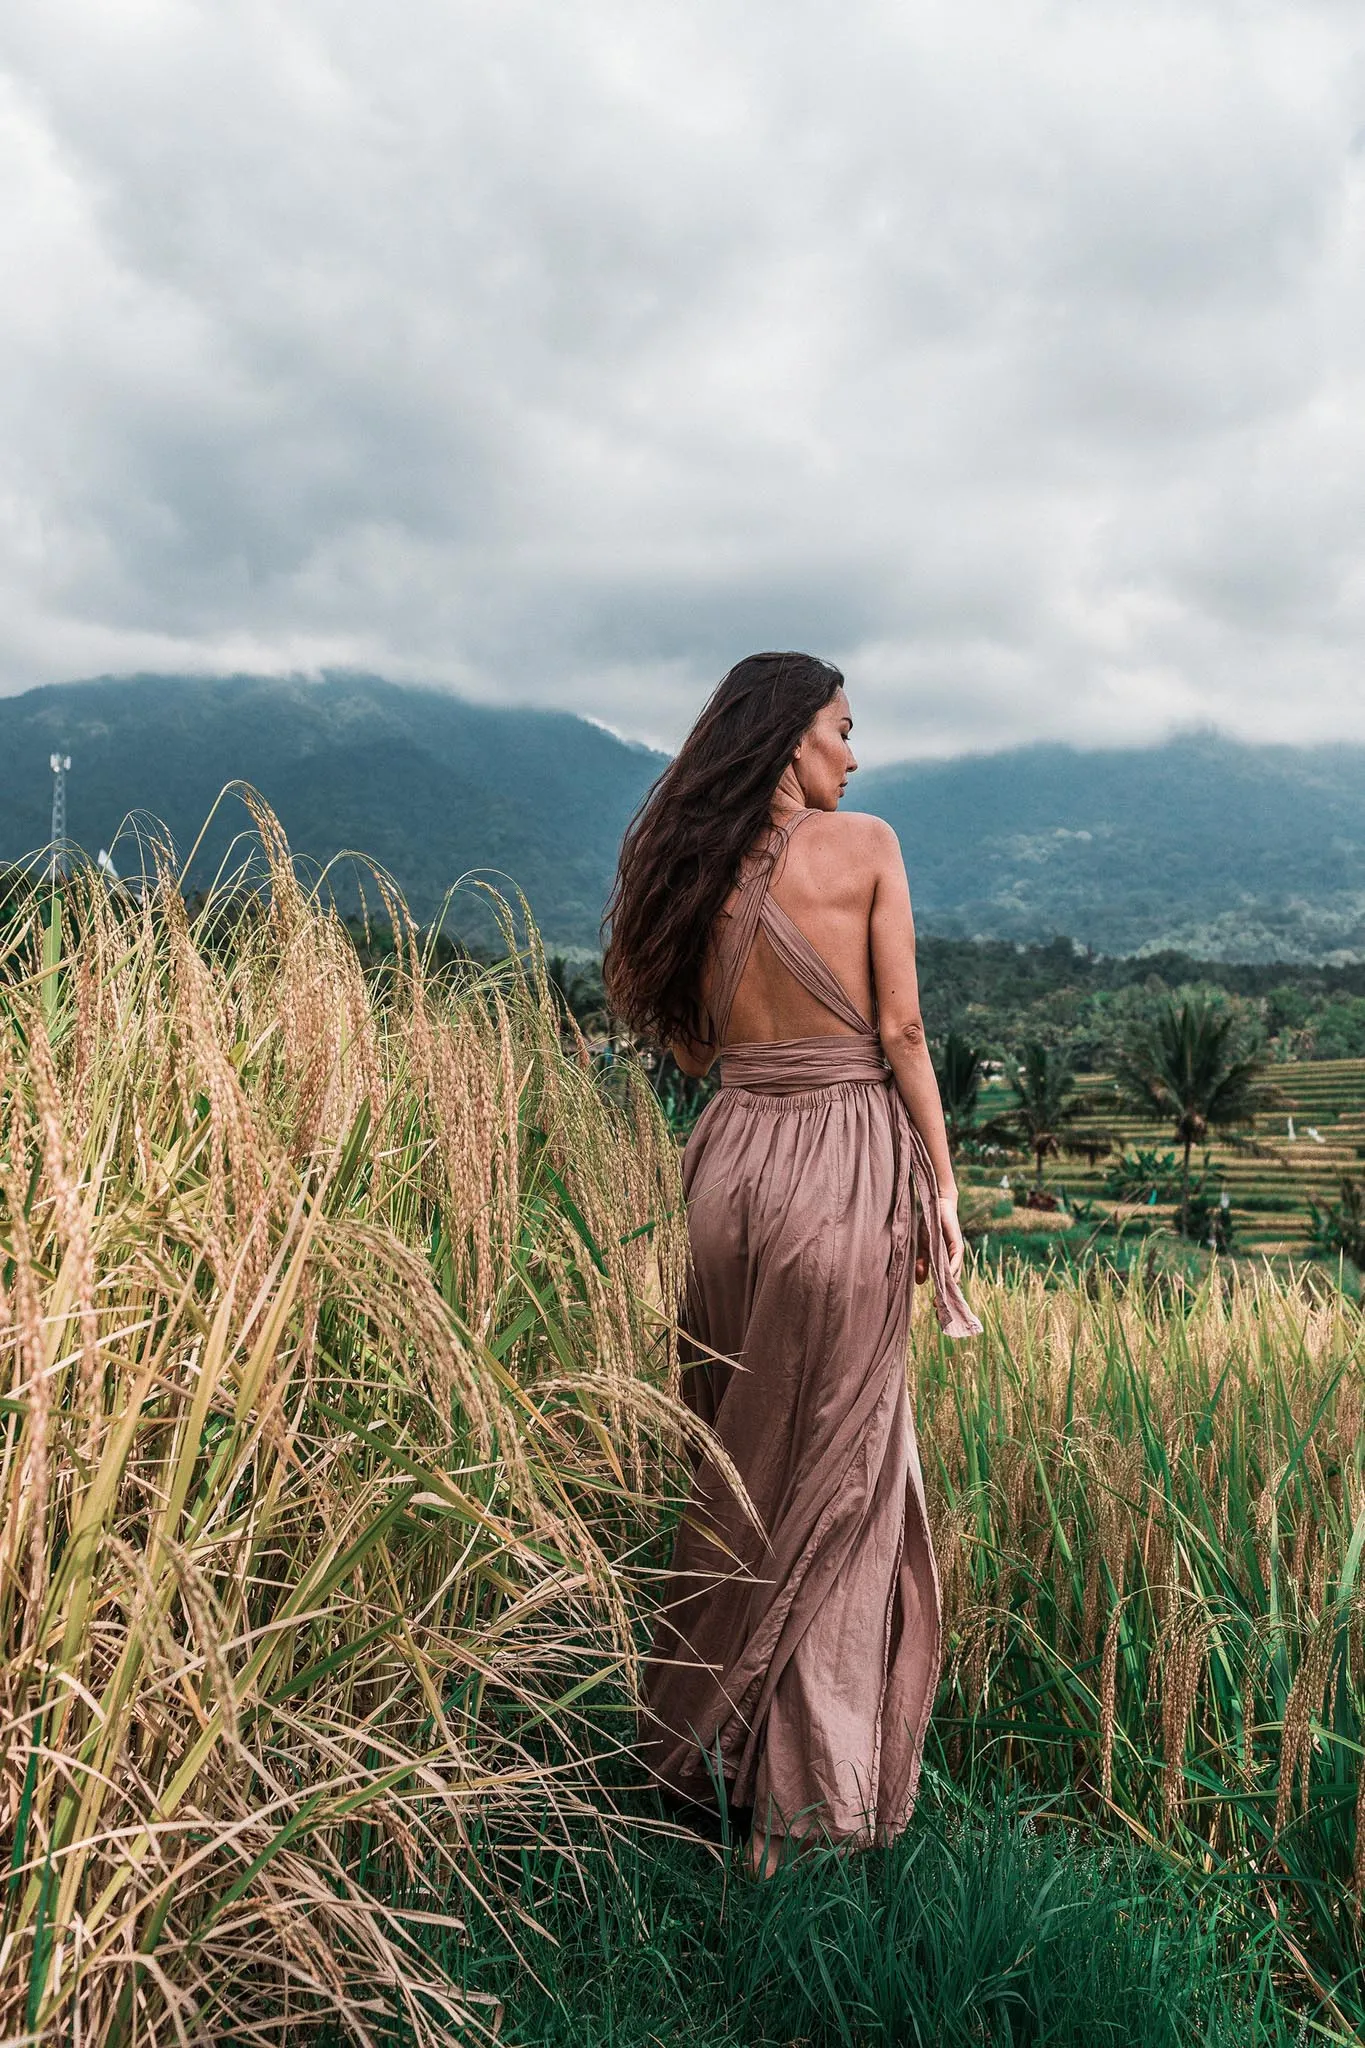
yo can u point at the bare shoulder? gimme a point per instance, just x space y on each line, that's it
856 836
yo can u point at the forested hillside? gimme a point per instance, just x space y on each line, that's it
423 782
1223 850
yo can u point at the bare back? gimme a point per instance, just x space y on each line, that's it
837 905
825 883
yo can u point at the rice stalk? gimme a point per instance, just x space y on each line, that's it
337 1367
1157 1497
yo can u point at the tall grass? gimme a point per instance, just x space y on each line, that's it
1150 1522
336 1419
335 1341
977 1929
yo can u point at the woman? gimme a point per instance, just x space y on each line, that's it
751 921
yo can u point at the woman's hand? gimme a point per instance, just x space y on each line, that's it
952 1235
953 1241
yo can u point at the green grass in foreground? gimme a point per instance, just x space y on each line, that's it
981 1926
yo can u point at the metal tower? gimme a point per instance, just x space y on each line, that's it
59 764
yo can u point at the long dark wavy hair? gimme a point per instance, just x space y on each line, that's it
681 854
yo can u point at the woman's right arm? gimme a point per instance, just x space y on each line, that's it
695 1060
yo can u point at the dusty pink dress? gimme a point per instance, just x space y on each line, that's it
802 1668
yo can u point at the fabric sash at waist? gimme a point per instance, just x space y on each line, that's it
792 1066
795 1066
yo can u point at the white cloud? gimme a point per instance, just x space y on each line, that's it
1009 351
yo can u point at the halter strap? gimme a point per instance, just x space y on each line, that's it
753 907
804 1063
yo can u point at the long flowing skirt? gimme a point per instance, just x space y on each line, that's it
801 1664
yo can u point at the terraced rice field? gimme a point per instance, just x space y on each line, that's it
1270 1184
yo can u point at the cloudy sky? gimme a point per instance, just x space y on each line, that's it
1010 353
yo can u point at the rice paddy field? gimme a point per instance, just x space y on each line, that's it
1293 1155
339 1450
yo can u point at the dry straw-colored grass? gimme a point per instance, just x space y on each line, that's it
335 1358
1151 1518
336 1371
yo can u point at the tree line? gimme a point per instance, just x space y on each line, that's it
1182 1067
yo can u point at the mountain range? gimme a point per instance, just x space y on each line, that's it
424 784
1220 849
1226 850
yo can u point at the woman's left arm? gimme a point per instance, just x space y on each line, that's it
900 1024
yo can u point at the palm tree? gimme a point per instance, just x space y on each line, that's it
1183 1068
1045 1104
958 1069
